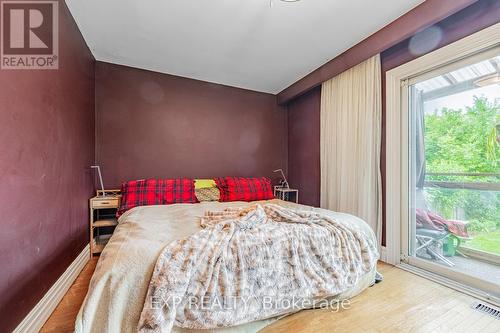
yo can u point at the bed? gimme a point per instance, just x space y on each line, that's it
120 282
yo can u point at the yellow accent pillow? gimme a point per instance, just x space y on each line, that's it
207 194
204 183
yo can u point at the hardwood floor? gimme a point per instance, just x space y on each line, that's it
403 302
63 318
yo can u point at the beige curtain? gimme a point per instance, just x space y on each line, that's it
351 109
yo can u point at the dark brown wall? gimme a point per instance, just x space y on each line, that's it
46 146
303 146
474 18
157 125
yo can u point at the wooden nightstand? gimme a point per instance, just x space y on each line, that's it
286 194
103 219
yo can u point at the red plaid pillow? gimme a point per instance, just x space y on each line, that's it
244 189
147 192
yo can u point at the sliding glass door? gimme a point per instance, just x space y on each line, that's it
454 171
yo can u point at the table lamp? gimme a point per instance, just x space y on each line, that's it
284 181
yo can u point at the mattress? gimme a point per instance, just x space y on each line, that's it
120 282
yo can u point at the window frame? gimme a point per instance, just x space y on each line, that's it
468 50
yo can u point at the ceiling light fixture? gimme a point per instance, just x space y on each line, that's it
271 2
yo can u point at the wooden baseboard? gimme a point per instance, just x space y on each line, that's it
34 321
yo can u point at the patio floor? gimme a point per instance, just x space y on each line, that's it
475 267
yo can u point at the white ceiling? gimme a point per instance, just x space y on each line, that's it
241 43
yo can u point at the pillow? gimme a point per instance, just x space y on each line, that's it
204 183
207 194
147 192
244 189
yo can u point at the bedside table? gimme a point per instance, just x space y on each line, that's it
286 194
103 219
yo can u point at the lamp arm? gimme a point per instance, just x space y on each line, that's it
100 178
286 181
284 178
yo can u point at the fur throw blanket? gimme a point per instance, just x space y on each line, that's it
251 264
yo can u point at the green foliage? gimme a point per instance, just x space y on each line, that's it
461 141
457 140
489 242
491 151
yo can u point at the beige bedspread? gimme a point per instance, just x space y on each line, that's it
118 288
